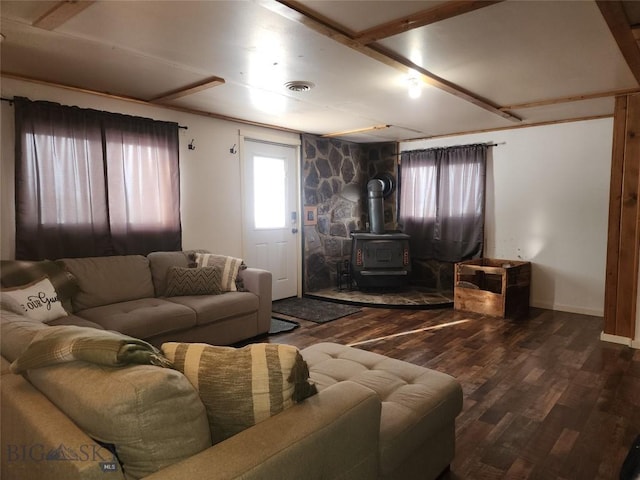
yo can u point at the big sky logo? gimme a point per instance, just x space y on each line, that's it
83 453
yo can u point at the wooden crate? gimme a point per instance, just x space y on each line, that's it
499 288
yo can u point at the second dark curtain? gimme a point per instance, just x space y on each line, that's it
442 199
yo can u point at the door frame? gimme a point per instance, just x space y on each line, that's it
287 141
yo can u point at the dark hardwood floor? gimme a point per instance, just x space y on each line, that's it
544 398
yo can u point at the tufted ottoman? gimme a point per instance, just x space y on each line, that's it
419 407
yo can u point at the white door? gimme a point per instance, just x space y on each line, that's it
271 213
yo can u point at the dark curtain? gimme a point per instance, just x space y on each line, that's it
442 201
91 183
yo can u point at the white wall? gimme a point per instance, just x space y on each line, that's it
548 203
210 176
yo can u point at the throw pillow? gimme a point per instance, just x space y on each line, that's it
67 343
37 300
193 281
242 386
16 273
228 267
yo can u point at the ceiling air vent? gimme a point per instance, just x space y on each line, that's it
299 86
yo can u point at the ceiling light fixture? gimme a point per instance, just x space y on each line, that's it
415 87
299 86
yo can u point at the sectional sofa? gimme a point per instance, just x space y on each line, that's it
373 417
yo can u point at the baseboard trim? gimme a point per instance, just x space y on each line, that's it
568 308
607 337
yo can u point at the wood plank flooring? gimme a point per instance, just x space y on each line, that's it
544 398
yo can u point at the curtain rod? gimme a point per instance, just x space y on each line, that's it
10 101
454 146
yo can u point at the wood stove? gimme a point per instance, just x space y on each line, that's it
380 259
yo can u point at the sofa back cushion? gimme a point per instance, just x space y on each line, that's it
160 262
107 280
152 415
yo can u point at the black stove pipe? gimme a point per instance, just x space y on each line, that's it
375 190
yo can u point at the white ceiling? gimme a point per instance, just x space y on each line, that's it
503 55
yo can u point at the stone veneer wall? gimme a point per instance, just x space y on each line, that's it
330 165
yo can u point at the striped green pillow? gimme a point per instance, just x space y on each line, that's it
240 387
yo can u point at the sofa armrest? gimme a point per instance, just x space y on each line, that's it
331 435
258 281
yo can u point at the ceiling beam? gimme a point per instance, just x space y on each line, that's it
573 98
60 13
188 90
616 18
512 127
420 19
297 12
357 130
391 58
140 101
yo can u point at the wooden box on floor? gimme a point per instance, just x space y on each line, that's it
499 288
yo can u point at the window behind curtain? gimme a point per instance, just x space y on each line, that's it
92 183
442 201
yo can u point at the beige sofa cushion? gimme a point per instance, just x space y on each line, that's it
152 415
75 320
214 308
36 433
142 318
107 280
241 387
416 401
159 262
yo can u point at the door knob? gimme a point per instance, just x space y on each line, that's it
294 230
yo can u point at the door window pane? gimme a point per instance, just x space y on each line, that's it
269 192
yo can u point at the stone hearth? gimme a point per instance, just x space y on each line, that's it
410 297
